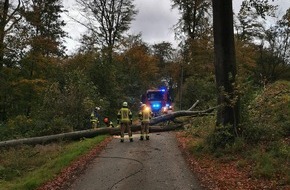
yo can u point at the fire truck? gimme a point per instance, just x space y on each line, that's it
158 100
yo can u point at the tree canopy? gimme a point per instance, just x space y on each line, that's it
45 91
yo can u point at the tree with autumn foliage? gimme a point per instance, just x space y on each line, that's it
9 17
32 55
44 42
194 28
138 68
269 43
106 23
168 65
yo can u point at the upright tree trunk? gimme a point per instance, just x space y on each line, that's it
3 19
225 63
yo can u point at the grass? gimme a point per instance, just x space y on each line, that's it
27 167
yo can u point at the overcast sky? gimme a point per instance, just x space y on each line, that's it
154 21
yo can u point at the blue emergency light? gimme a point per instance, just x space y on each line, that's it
163 89
156 106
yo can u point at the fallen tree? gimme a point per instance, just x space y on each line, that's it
182 113
76 135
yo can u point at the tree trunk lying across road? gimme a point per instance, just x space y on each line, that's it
76 135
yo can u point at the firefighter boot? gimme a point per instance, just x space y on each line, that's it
141 138
131 139
147 137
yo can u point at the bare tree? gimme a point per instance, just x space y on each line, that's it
108 20
251 19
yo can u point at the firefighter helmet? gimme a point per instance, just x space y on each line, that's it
125 104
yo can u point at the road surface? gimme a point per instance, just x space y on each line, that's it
156 164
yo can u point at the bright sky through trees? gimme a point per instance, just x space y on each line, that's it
154 20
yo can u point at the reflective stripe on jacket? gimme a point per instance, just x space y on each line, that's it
145 115
93 118
125 115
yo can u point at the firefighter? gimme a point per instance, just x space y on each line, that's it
94 118
145 115
124 117
108 122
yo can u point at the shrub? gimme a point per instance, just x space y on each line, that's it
238 146
20 126
5 133
55 126
267 160
265 166
203 90
221 138
269 114
260 132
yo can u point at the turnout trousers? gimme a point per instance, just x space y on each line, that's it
145 129
126 126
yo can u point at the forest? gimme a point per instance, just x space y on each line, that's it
45 91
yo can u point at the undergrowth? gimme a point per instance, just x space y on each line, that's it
264 141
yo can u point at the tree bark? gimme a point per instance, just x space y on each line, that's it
225 63
76 135
3 22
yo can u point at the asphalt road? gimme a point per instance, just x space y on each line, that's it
156 164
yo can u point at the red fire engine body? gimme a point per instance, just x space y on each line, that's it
158 100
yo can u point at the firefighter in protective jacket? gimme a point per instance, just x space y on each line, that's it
124 117
94 118
145 115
